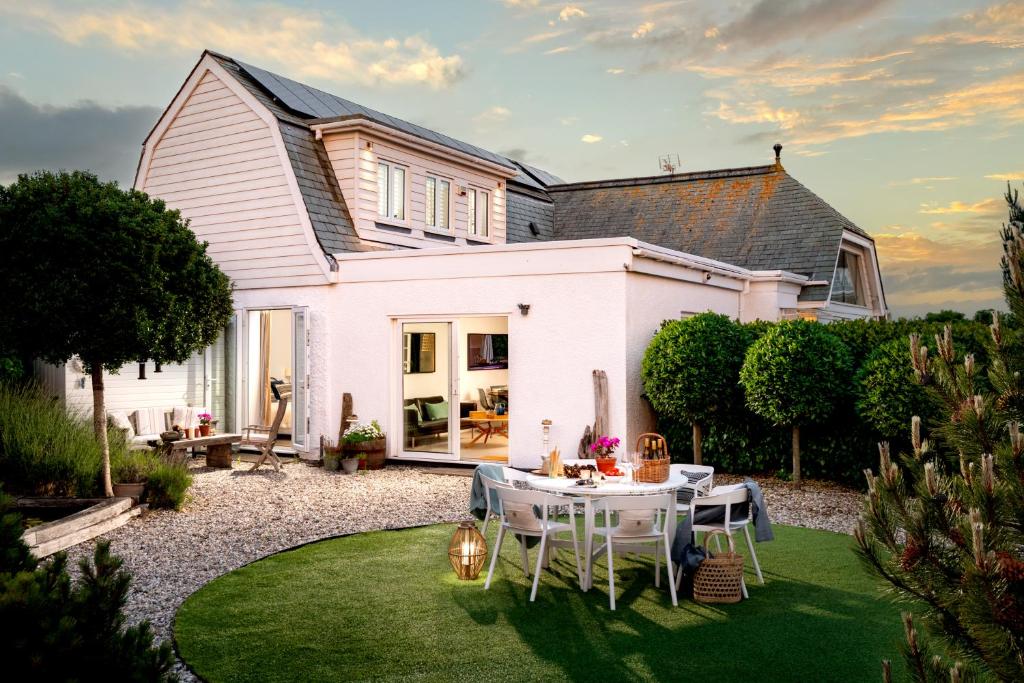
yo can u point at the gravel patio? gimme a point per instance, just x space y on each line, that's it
236 516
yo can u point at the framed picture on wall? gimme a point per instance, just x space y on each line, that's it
486 351
418 352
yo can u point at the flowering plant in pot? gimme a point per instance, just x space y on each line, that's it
365 442
205 419
604 452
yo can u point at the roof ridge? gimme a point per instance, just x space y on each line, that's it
674 178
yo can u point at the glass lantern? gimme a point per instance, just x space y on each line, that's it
467 551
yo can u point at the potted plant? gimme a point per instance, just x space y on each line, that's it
129 474
332 458
204 423
604 452
365 442
350 462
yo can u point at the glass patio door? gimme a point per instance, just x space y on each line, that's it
428 393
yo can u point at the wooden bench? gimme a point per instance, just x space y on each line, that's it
218 448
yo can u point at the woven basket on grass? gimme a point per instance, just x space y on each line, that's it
719 579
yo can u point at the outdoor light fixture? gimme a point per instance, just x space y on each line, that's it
524 309
467 551
142 371
158 366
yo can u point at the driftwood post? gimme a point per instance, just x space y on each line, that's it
600 427
346 413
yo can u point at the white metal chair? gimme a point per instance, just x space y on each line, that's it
519 517
702 487
727 496
510 474
641 521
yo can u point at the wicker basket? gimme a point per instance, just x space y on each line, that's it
719 579
652 471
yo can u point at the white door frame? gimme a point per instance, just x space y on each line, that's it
397 374
396 444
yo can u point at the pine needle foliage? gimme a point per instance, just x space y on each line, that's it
948 535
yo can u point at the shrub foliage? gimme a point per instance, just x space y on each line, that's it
691 370
53 630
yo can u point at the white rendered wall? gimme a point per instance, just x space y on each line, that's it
650 301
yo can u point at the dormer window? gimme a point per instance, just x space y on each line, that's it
438 198
848 285
479 212
390 191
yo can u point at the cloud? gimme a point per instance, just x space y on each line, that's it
615 71
989 206
923 274
85 136
569 120
927 181
1014 175
559 50
643 29
570 12
309 43
545 36
590 138
493 115
769 21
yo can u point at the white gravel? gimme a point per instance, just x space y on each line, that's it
235 517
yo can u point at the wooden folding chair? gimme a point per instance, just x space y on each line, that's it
264 438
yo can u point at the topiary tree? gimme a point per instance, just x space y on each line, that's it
691 370
794 375
887 394
107 274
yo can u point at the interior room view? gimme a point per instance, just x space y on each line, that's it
469 353
269 363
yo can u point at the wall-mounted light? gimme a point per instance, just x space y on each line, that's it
158 366
524 309
462 190
142 371
369 144
707 277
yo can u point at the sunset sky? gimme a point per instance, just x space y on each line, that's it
905 116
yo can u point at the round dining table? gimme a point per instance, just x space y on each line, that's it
569 487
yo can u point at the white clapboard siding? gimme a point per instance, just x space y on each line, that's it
219 164
175 385
355 165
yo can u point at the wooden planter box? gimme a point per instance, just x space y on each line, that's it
371 452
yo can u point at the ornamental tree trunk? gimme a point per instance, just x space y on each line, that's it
99 424
698 456
796 455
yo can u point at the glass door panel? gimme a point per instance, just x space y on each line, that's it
428 372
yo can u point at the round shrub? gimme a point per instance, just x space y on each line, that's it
888 396
796 374
691 369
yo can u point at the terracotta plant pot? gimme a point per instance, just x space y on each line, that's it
350 465
373 452
605 464
133 491
204 430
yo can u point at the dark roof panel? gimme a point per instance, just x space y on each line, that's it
759 218
313 103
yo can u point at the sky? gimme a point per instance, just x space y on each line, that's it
905 116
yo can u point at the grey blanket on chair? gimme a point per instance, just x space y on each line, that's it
478 492
715 514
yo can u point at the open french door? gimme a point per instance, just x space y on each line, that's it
300 378
426 394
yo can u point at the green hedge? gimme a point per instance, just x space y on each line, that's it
877 399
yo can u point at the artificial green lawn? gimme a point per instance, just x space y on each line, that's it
386 606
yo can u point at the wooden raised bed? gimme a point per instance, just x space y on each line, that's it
99 518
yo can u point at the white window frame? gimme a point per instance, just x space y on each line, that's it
474 212
439 181
389 199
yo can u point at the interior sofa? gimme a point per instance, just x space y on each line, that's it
420 423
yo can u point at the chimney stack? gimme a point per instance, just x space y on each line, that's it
778 156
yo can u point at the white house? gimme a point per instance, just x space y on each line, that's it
428 277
